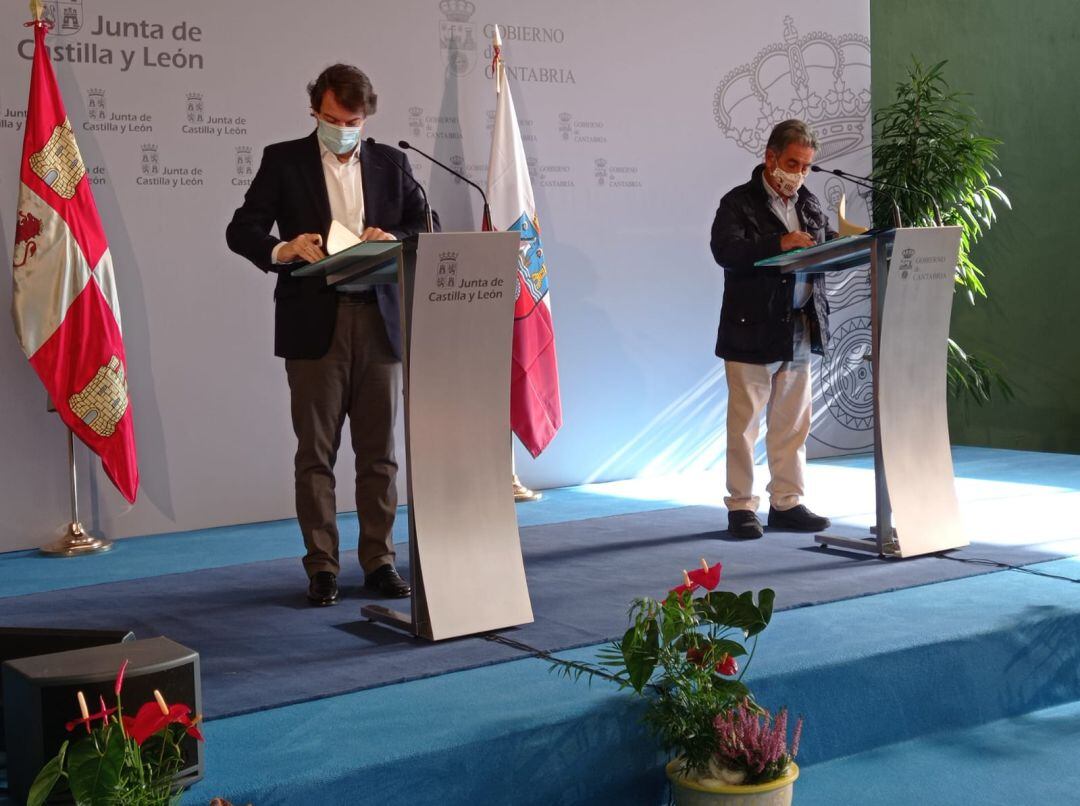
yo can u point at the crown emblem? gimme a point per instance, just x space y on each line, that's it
416 111
821 78
457 10
149 147
445 256
600 162
96 93
565 117
194 96
243 149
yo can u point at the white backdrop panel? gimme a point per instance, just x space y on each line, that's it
635 122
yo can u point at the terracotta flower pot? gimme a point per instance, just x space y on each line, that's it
692 792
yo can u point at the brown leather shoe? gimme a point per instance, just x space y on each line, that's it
386 581
323 589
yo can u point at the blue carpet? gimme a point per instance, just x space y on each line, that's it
24 572
263 646
914 684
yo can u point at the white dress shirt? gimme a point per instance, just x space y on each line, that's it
786 212
345 189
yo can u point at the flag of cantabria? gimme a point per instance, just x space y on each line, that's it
535 407
64 299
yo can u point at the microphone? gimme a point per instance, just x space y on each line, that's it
404 144
897 222
883 183
427 208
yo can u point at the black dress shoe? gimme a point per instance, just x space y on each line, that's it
323 590
386 581
743 523
797 519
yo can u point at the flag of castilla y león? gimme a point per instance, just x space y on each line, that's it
64 301
535 404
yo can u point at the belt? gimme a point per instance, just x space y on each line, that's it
365 297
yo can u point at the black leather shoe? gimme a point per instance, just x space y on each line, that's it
386 581
797 519
323 590
743 523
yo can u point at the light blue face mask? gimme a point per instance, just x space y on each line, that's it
338 139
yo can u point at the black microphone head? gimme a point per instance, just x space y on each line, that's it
403 144
816 168
370 141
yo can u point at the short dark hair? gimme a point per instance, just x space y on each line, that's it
350 86
788 132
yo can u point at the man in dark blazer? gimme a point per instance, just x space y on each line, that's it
342 346
769 324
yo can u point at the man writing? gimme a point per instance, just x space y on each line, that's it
769 324
341 345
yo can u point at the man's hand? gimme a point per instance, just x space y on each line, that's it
307 247
376 234
796 240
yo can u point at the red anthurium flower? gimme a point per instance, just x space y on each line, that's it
706 576
150 719
695 655
727 665
120 678
688 585
87 720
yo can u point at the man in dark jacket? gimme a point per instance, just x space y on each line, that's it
342 346
769 324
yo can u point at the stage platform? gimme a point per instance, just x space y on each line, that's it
888 660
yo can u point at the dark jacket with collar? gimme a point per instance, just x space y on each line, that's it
289 190
756 316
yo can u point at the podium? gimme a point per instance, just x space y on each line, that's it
457 302
911 287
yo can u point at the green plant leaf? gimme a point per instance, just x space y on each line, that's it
93 774
46 779
640 651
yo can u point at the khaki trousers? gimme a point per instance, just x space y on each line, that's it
358 377
782 391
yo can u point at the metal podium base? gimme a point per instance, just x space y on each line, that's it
868 545
76 543
391 618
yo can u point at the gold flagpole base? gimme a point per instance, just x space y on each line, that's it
523 493
76 543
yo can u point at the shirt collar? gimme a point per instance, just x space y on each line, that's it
327 155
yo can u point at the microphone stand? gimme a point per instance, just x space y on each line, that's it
883 183
897 221
486 224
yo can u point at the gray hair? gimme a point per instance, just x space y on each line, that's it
788 132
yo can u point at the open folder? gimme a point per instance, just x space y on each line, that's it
350 259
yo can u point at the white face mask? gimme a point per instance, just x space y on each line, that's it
789 184
338 139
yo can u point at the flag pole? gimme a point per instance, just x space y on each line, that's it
76 542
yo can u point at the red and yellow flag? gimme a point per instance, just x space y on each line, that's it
64 302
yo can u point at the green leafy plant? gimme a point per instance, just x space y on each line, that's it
927 145
122 760
682 654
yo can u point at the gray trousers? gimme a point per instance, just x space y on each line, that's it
359 378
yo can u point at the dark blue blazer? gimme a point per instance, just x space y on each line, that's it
289 190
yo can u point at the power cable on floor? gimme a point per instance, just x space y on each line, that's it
1007 567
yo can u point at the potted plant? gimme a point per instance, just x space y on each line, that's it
683 654
928 140
122 760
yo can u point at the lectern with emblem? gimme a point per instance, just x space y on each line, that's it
911 283
457 301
